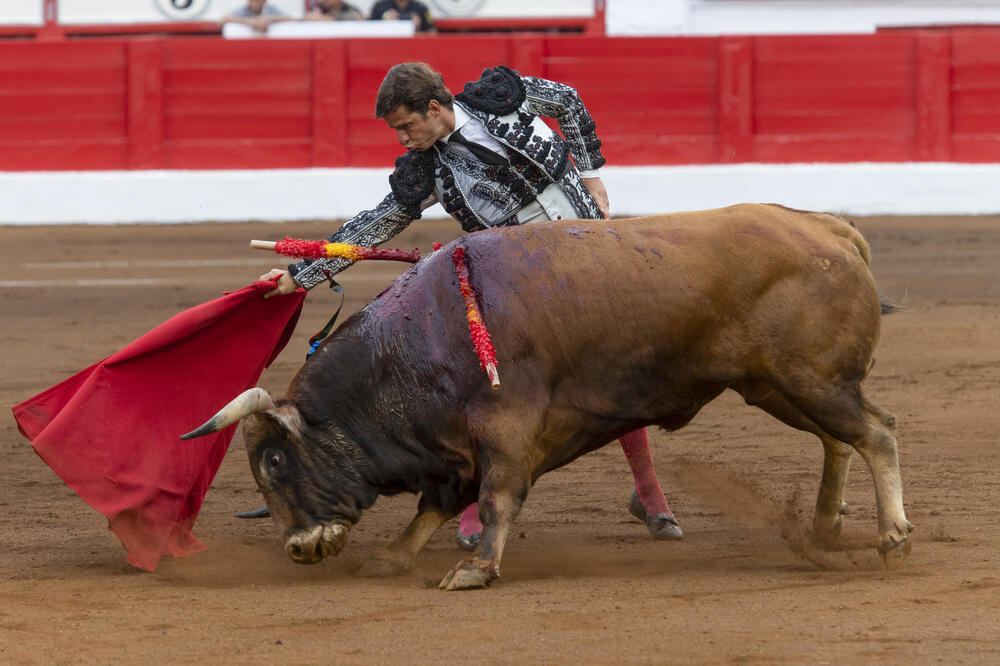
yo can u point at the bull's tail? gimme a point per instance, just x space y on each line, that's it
887 305
849 231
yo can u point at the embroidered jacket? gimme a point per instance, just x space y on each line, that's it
479 195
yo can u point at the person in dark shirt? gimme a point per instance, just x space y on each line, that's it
401 10
333 10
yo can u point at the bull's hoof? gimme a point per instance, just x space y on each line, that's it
893 551
470 574
661 526
378 568
468 542
826 530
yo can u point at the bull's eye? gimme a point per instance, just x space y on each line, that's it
273 461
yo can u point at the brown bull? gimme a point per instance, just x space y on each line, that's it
600 328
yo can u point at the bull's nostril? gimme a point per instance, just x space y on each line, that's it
318 550
294 550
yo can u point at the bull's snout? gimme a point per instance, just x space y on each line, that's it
311 546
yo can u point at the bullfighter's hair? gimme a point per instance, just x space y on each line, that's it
412 85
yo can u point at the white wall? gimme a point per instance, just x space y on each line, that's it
270 195
80 12
720 17
21 12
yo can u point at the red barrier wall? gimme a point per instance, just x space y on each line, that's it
209 103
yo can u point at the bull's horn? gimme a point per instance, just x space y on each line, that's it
246 403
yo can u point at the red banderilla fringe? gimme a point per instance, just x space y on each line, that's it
310 249
477 329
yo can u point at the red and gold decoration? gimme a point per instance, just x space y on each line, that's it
310 249
477 329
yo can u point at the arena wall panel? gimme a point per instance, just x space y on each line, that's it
209 103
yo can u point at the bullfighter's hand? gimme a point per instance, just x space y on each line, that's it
286 284
596 188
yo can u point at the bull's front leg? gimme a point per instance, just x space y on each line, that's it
501 495
398 556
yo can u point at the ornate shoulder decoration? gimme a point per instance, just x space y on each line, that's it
413 179
498 91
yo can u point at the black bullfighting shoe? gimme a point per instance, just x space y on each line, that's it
661 526
467 542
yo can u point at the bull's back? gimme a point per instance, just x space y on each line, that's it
607 282
698 292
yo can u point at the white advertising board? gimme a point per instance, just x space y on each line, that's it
21 12
84 12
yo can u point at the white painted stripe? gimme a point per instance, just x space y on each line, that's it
109 282
140 263
146 282
111 197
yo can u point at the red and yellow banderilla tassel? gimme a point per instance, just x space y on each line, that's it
477 329
310 249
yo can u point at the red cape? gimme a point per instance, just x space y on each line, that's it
111 432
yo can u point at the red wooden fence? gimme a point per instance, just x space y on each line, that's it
208 103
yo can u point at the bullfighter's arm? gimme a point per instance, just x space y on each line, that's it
368 228
559 101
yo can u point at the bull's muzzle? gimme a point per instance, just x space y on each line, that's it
311 546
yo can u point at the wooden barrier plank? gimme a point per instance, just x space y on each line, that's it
975 90
330 147
735 99
246 153
145 105
933 131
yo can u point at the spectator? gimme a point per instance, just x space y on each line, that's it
257 14
333 10
401 10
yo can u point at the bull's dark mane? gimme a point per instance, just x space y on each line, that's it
364 384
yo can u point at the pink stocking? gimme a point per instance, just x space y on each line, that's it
636 447
469 523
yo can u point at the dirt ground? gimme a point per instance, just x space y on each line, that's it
582 582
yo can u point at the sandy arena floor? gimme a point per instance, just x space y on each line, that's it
582 582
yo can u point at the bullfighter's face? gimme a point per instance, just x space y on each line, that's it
419 131
305 493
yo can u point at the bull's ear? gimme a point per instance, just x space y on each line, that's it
285 418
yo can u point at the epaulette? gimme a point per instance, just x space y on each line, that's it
413 179
499 91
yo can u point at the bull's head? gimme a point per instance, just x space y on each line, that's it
300 472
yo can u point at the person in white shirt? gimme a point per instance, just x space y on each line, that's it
257 14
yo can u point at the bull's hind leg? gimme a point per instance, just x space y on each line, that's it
830 503
398 556
846 415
